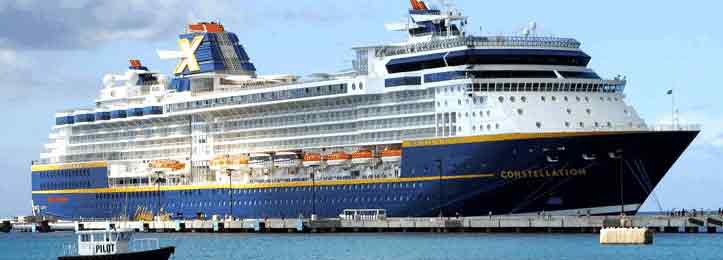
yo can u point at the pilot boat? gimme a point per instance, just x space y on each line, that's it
116 244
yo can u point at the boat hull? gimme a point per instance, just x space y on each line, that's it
158 254
563 173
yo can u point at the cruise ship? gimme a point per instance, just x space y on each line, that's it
444 123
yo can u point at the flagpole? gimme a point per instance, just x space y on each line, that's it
672 109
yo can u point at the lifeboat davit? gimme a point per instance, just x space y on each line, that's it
286 160
362 157
337 158
391 155
312 159
260 161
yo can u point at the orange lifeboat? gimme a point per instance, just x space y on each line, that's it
312 159
362 157
220 161
167 164
337 158
238 162
391 155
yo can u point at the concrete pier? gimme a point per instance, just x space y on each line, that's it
501 224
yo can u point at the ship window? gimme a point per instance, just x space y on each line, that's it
567 124
519 111
501 99
538 124
512 99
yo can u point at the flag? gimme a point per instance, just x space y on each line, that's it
670 92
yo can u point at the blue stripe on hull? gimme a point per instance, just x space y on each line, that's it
530 175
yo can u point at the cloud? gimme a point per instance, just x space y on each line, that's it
82 24
52 25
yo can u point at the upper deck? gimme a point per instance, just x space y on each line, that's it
480 42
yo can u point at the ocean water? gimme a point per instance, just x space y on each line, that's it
393 246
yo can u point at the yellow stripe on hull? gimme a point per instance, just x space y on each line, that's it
505 137
262 185
55 167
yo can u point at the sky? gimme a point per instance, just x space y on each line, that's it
54 54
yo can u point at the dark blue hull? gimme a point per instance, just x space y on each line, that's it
472 176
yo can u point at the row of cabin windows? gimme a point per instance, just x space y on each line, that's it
195 193
545 87
581 124
512 99
65 185
288 202
65 173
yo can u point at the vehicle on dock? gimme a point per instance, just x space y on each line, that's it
115 244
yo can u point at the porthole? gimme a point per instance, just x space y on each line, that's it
361 86
524 99
459 102
497 126
538 124
353 86
610 124
466 114
569 111
587 99
474 128
474 114
501 99
519 111
581 124
488 113
512 99
597 124
588 111
489 127
543 98
567 124
565 98
554 98
578 99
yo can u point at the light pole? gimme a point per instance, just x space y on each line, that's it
313 193
441 191
158 191
229 172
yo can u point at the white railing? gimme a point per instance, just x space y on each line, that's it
475 41
675 127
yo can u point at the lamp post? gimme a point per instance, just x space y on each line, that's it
313 193
229 172
441 191
158 191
